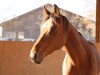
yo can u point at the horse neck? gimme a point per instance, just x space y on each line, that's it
75 46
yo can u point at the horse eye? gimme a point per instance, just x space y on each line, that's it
54 29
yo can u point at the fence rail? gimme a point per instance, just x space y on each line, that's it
14 60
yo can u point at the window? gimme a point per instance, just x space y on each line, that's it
0 32
10 35
21 35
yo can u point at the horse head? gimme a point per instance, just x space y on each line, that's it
52 36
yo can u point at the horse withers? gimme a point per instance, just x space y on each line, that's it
57 32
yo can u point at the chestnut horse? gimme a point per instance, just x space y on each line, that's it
57 32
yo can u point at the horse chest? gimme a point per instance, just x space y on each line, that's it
66 65
69 69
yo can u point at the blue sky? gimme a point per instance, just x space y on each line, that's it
12 8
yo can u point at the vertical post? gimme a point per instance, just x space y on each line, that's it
98 21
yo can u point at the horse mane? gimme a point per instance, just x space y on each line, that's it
87 41
65 22
91 43
66 27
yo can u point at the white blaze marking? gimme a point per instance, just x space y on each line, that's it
47 25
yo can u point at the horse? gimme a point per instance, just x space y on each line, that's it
56 32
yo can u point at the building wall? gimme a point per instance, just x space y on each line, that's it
28 24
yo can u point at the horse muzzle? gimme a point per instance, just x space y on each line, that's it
36 58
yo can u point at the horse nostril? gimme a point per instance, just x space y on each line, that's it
35 56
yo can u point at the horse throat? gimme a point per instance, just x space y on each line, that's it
74 48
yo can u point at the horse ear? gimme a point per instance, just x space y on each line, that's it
45 11
56 10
